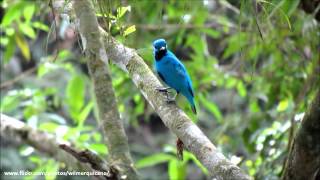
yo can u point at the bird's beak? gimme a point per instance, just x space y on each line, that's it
162 48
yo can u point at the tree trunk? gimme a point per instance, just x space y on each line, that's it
303 161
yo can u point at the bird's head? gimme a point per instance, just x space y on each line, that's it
160 45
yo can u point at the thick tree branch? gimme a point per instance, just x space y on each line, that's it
304 157
117 141
18 131
172 116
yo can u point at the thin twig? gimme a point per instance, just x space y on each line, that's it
91 158
18 78
256 19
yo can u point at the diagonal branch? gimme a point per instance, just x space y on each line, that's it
18 131
173 117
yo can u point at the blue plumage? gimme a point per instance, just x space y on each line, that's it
172 71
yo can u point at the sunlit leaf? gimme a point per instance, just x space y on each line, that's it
283 105
85 137
99 148
129 30
28 12
23 45
122 10
75 94
12 13
48 126
176 170
84 113
27 30
212 33
35 159
241 89
40 25
173 170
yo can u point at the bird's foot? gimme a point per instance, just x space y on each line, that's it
163 89
170 100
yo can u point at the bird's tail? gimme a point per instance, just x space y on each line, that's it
194 110
191 101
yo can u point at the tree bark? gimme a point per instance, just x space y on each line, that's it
304 157
117 141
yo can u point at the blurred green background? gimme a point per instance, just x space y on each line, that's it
253 66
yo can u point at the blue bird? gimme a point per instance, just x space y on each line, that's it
172 72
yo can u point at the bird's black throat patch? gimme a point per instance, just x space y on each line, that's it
160 54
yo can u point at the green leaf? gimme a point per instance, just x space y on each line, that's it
84 113
40 25
99 148
212 107
35 159
129 30
12 13
122 10
9 50
4 40
27 30
23 45
153 160
28 12
283 105
241 89
173 170
176 170
48 127
85 137
212 33
75 95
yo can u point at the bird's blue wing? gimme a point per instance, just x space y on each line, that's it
181 70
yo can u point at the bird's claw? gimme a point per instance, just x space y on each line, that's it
163 89
171 101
